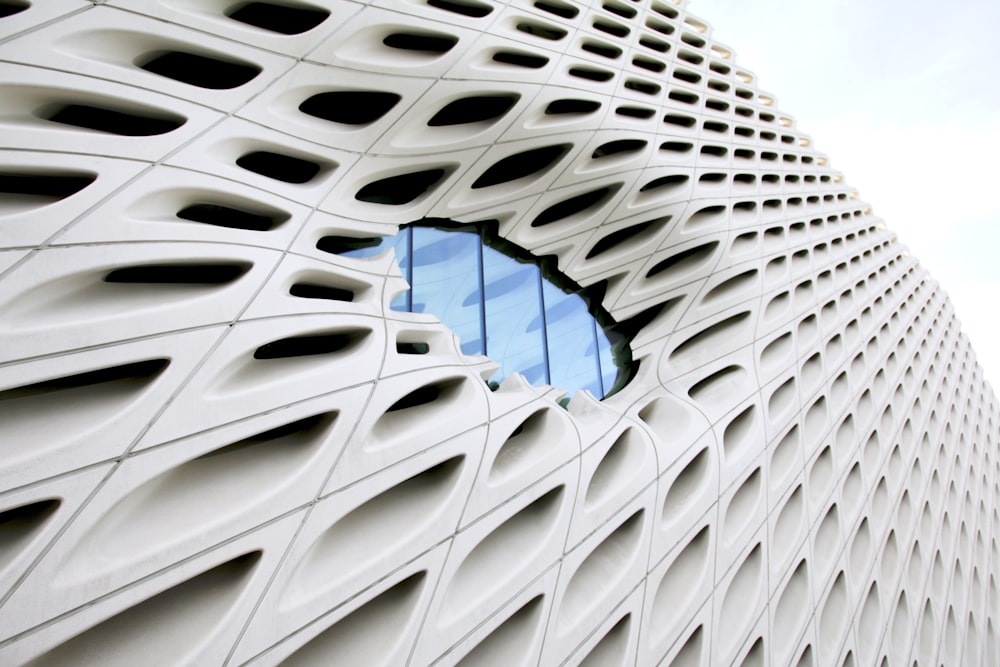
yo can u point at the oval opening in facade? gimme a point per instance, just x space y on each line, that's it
509 305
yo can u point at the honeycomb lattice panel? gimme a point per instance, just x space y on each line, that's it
205 462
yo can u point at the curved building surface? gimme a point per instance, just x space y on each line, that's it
220 445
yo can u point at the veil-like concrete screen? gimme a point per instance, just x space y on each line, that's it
221 444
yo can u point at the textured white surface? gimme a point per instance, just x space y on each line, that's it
804 468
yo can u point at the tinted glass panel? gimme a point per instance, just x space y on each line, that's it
445 265
572 343
513 303
402 243
500 306
609 370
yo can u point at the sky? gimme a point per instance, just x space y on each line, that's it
903 96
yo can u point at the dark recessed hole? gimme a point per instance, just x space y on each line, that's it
638 232
19 523
714 126
618 147
687 76
280 18
635 112
612 28
423 42
574 205
659 26
690 57
307 426
715 380
283 168
713 177
11 7
422 396
744 131
744 153
563 9
122 123
693 40
474 110
542 30
644 87
655 44
720 86
706 212
664 10
232 218
403 347
520 59
715 151
683 96
676 146
307 346
317 291
399 190
745 94
716 105
338 245
571 107
350 107
48 188
664 182
745 178
179 274
521 165
719 67
689 257
601 49
649 63
470 8
732 285
201 71
679 120
623 11
143 371
714 333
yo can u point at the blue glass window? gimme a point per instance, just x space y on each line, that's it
505 307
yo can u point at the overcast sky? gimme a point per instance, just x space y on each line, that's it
904 98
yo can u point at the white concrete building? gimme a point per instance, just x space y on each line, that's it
221 445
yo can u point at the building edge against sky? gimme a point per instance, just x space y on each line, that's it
892 111
221 445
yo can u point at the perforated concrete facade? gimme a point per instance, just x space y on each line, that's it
205 462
